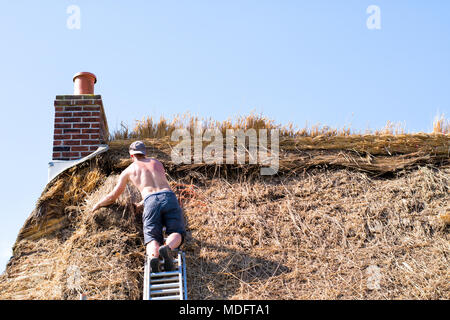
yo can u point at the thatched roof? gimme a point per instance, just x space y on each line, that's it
356 217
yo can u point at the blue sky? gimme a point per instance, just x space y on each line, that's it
294 61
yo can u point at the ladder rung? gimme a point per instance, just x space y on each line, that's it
165 280
166 298
165 285
174 290
174 261
165 273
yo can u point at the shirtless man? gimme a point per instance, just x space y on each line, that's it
160 204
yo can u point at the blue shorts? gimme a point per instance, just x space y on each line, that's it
161 209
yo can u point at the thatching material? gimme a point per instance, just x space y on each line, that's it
97 253
65 191
381 144
149 128
374 154
318 236
333 224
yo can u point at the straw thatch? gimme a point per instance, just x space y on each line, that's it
361 217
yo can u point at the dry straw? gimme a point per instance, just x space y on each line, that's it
152 128
348 216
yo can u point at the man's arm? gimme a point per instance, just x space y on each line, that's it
139 205
115 193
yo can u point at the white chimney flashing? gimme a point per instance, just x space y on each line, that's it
56 167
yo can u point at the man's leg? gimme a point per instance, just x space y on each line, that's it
152 229
153 249
173 240
153 253
173 220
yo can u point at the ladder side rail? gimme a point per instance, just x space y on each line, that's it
146 279
180 277
184 277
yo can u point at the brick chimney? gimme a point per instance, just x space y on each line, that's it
80 121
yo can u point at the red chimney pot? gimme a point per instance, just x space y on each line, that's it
84 83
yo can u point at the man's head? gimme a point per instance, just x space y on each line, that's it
137 149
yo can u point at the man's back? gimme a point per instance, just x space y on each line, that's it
148 176
160 205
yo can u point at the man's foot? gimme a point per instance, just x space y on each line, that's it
154 265
166 253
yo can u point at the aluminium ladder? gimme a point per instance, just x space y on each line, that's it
166 285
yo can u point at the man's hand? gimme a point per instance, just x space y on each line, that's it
115 193
96 207
139 206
